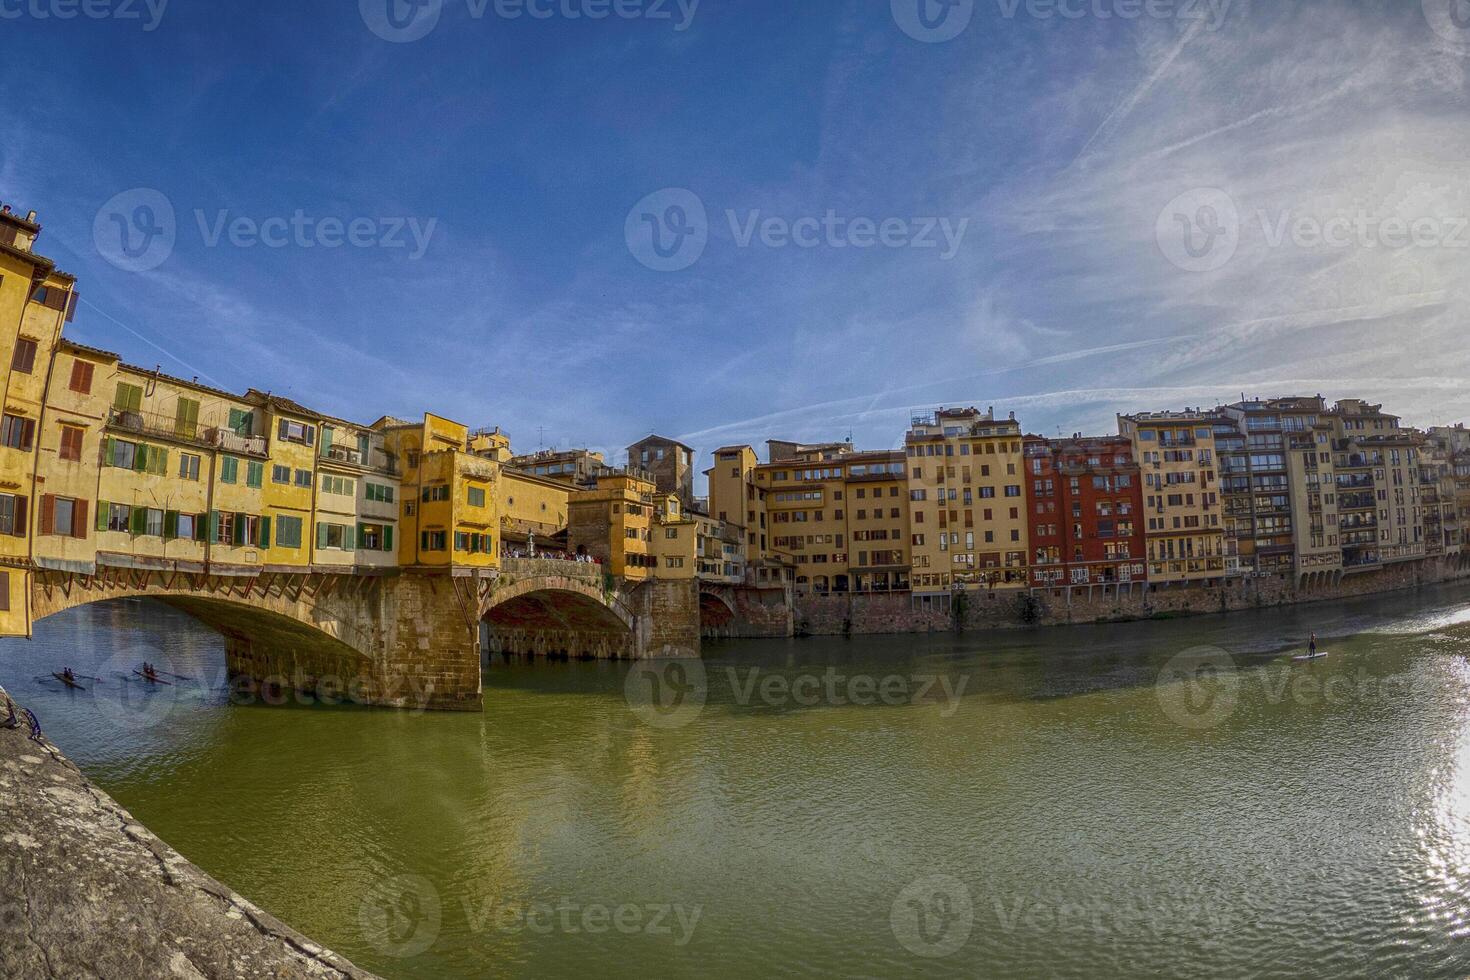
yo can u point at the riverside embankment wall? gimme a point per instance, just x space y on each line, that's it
898 612
89 892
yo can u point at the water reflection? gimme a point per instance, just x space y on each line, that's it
1321 827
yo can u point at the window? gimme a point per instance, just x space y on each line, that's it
477 496
186 418
223 530
17 433
81 377
63 516
290 431
71 442
374 537
153 522
129 398
24 358
339 485
12 515
379 493
288 532
437 492
188 466
280 474
337 537
176 525
254 473
119 517
433 540
303 478
229 469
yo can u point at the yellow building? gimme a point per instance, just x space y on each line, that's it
613 524
1183 515
970 528
675 539
450 514
533 511
842 516
35 299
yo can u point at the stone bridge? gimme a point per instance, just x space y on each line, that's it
401 638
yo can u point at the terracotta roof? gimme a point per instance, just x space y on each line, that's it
96 351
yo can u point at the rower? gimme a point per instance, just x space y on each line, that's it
68 676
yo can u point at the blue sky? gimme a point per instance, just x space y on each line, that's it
1067 151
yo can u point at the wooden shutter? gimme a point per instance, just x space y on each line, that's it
27 434
326 438
79 519
237 535
71 304
139 520
265 532
22 526
281 429
170 525
349 538
214 527
103 510
321 535
48 513
387 537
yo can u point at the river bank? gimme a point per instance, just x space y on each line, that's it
89 891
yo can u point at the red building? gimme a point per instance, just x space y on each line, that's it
1085 498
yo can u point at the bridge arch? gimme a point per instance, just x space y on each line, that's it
559 617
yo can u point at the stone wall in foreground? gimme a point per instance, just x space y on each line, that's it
89 892
897 612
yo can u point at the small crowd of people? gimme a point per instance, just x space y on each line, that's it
554 555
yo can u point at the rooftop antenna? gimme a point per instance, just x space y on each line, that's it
540 437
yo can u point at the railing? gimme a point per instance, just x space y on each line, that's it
233 442
540 567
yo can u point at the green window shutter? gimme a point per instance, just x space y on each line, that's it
140 458
103 509
321 535
254 473
170 524
387 537
349 538
158 462
201 527
326 438
107 452
139 520
229 469
214 527
237 535
265 532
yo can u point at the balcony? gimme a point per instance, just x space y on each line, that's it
158 426
350 456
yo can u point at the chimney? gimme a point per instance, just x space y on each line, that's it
5 209
31 217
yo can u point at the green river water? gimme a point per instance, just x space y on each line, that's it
1078 802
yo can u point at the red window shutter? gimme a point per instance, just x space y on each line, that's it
48 513
79 519
28 434
81 376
